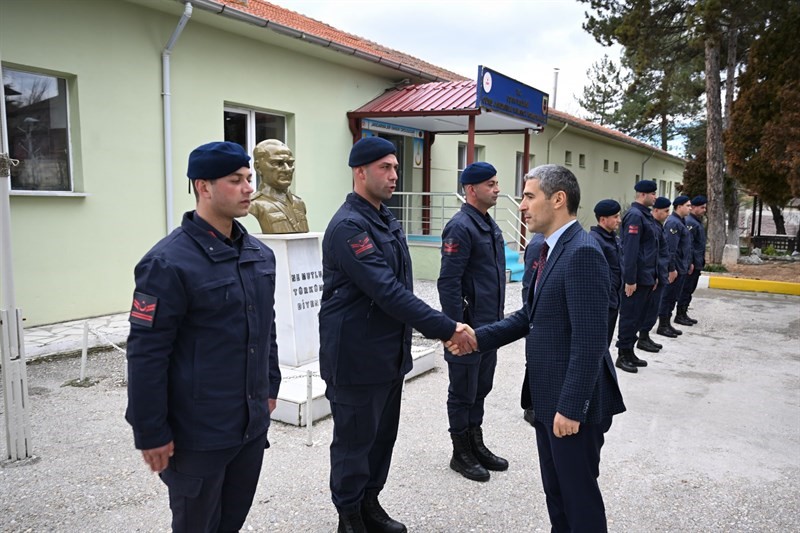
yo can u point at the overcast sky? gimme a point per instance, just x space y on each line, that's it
523 39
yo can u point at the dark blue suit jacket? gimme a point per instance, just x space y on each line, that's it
566 319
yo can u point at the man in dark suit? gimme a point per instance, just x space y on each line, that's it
573 383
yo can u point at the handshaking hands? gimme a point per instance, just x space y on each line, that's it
463 340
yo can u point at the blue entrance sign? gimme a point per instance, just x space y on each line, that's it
502 94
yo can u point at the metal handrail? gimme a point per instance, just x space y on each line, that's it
412 211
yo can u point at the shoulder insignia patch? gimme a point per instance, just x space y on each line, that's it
633 229
143 309
361 245
450 247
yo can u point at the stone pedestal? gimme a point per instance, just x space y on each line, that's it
730 255
298 289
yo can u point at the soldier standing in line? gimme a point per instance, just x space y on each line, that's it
472 289
645 343
680 246
639 272
605 233
694 223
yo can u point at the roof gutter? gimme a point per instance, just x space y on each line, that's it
241 16
167 114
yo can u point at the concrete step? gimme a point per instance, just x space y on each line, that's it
292 398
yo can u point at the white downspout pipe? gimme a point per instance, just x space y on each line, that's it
553 138
167 100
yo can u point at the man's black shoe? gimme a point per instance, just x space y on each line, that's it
683 310
528 416
683 320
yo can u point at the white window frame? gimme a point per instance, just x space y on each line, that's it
519 185
68 117
250 113
462 160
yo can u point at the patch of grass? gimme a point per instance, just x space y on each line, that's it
714 268
769 250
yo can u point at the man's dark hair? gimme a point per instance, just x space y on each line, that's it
554 178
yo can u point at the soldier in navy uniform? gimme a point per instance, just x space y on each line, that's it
366 319
472 289
203 373
639 272
646 343
694 223
605 233
680 264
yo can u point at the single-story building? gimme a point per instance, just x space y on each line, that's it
102 122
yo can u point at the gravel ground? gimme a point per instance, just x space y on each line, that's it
710 442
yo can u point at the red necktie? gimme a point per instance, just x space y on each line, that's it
542 261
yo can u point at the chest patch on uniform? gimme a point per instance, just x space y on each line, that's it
360 245
633 229
673 231
143 309
450 246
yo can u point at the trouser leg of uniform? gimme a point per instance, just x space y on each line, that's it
612 323
570 467
201 486
380 457
689 287
360 458
651 313
631 315
485 382
671 293
461 393
239 487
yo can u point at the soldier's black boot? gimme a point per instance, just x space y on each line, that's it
683 314
674 330
351 523
375 518
664 329
646 343
484 456
463 460
681 318
623 361
635 361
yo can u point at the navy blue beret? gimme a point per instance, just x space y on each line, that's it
661 202
645 186
216 159
369 149
607 208
680 200
699 200
477 173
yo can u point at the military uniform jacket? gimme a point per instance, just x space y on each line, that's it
639 246
612 250
368 305
202 355
698 234
663 256
679 244
565 319
472 277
